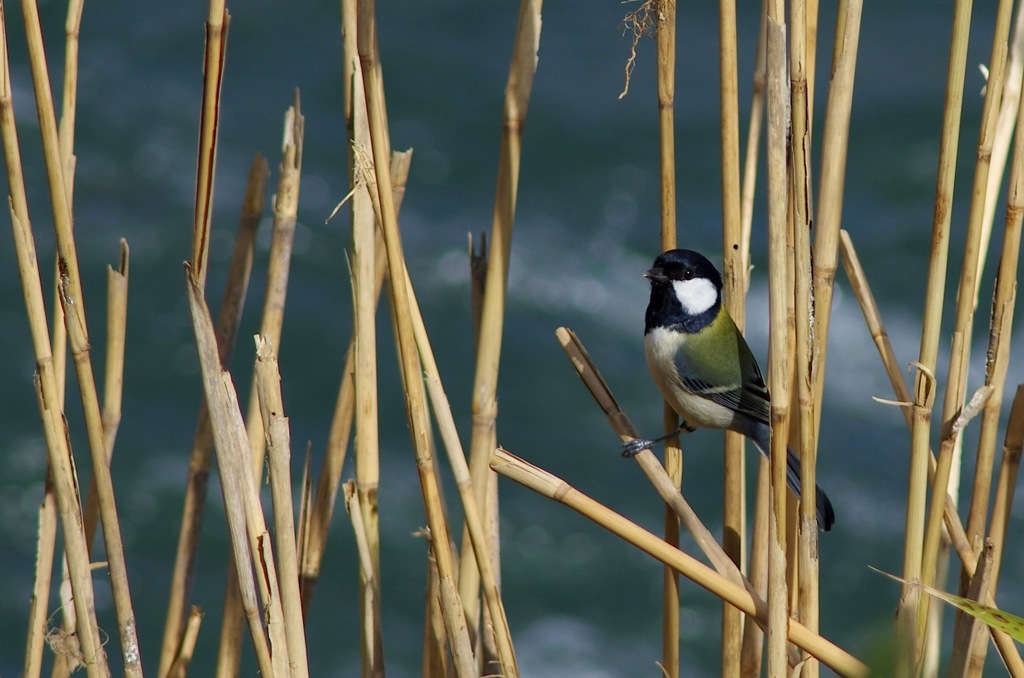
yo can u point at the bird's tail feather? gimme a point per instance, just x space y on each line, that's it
825 514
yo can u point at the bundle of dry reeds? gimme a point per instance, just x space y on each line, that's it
767 581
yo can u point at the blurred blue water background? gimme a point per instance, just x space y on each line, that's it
579 601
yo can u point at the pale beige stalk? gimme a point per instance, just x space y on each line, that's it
455 621
911 611
555 488
249 537
232 302
183 655
72 301
779 300
217 23
279 454
484 405
372 649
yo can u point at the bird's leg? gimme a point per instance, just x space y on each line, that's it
638 445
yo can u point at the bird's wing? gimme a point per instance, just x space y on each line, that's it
749 398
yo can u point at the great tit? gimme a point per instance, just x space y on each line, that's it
702 364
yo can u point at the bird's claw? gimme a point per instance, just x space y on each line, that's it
636 446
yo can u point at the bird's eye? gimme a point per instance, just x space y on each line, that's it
687 274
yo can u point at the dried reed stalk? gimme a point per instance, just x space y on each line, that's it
484 406
278 440
183 655
666 68
285 207
659 477
228 318
779 301
455 621
913 609
64 480
734 275
555 488
371 639
965 552
71 298
217 23
249 537
801 46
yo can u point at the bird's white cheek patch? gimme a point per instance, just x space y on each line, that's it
696 295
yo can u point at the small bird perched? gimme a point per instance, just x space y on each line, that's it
702 364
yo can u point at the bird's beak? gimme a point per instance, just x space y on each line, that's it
655 275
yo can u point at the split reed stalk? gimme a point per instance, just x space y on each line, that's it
372 649
229 316
64 480
278 443
282 233
217 23
666 68
72 302
779 300
249 538
913 609
484 405
555 488
455 621
183 655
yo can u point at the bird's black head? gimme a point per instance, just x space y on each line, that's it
686 291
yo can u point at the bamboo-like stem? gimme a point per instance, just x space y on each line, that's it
232 302
344 412
61 466
980 587
555 488
964 550
278 438
249 538
46 545
455 621
734 275
806 340
666 73
183 655
285 207
962 328
217 22
484 405
779 371
373 650
71 298
117 312
662 482
913 609
834 141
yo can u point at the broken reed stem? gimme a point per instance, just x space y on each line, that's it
65 481
217 23
46 546
484 406
183 655
278 443
648 462
968 558
371 638
779 370
555 488
912 612
454 616
228 318
666 73
344 412
249 537
285 208
72 300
